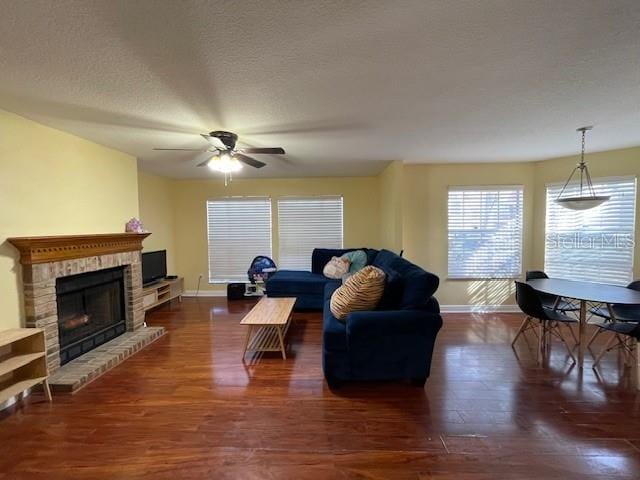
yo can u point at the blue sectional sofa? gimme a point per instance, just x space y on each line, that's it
308 287
395 341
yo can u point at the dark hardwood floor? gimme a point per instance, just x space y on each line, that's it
188 408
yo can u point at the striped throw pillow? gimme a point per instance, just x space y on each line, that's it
361 292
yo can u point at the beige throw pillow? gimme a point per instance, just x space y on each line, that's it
336 268
361 292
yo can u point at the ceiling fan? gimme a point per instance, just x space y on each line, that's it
226 158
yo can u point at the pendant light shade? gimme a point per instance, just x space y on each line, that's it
582 203
587 198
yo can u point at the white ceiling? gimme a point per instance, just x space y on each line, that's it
343 86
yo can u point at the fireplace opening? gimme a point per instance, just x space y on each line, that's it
91 311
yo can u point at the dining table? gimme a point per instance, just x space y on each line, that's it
587 293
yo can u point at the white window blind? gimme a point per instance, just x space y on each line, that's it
238 230
485 232
596 244
305 223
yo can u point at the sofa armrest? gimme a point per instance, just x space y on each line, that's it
432 305
393 322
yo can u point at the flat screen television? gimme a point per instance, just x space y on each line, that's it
154 266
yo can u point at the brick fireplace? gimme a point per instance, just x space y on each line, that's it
47 259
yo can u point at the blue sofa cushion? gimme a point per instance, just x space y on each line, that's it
321 256
419 285
293 282
379 324
371 254
334 332
418 290
393 289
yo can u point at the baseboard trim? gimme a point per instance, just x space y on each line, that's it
479 309
205 293
443 308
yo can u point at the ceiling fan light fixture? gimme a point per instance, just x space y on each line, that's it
226 159
224 163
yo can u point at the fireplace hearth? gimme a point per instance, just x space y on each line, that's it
91 311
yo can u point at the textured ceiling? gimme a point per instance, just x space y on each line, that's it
343 86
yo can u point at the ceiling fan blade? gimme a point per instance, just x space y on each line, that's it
181 149
273 151
252 162
204 164
214 141
306 128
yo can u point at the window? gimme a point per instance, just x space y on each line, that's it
595 244
306 223
238 229
485 232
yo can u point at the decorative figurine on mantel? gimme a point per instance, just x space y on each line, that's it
134 226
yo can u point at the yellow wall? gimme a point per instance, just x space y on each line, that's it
424 214
54 183
391 181
424 223
361 217
405 207
612 163
157 214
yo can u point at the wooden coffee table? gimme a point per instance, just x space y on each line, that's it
268 323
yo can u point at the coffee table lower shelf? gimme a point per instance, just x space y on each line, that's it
267 338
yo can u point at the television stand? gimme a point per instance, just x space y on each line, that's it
162 292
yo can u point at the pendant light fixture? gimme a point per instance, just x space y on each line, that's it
587 198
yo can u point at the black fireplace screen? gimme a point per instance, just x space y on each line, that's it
91 311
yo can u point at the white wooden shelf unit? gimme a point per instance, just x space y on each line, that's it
23 362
